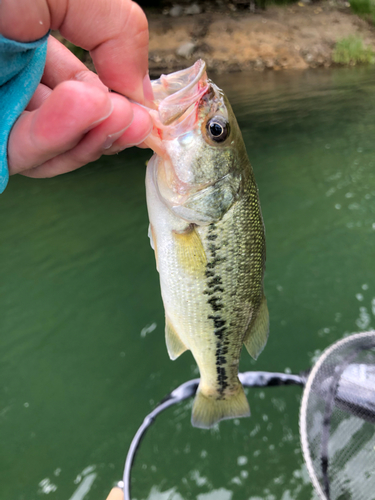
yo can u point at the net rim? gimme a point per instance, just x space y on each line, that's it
303 410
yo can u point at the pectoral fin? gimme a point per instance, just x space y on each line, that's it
175 345
151 235
190 252
257 334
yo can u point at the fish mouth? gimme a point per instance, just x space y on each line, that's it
176 93
176 100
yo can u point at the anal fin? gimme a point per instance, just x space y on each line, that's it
257 334
175 346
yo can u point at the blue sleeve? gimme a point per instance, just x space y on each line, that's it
21 68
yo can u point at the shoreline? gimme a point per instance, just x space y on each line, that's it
295 36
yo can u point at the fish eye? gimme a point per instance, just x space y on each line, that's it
218 129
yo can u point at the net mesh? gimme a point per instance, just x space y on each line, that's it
337 420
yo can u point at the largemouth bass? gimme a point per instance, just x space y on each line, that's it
207 231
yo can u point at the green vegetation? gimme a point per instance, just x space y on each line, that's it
82 54
351 50
362 7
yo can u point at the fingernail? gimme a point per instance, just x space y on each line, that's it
94 124
112 138
147 88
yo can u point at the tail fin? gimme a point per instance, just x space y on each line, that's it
208 410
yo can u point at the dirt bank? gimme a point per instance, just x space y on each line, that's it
297 36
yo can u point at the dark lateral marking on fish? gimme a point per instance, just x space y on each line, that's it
222 379
221 352
213 249
215 261
221 370
223 376
218 322
219 336
220 332
215 304
214 290
220 329
216 280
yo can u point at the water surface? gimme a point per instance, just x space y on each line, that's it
82 352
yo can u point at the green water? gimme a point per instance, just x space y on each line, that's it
82 352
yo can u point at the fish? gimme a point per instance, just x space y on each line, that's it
207 232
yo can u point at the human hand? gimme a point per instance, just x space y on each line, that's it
73 119
115 494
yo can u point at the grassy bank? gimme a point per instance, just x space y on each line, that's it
351 51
